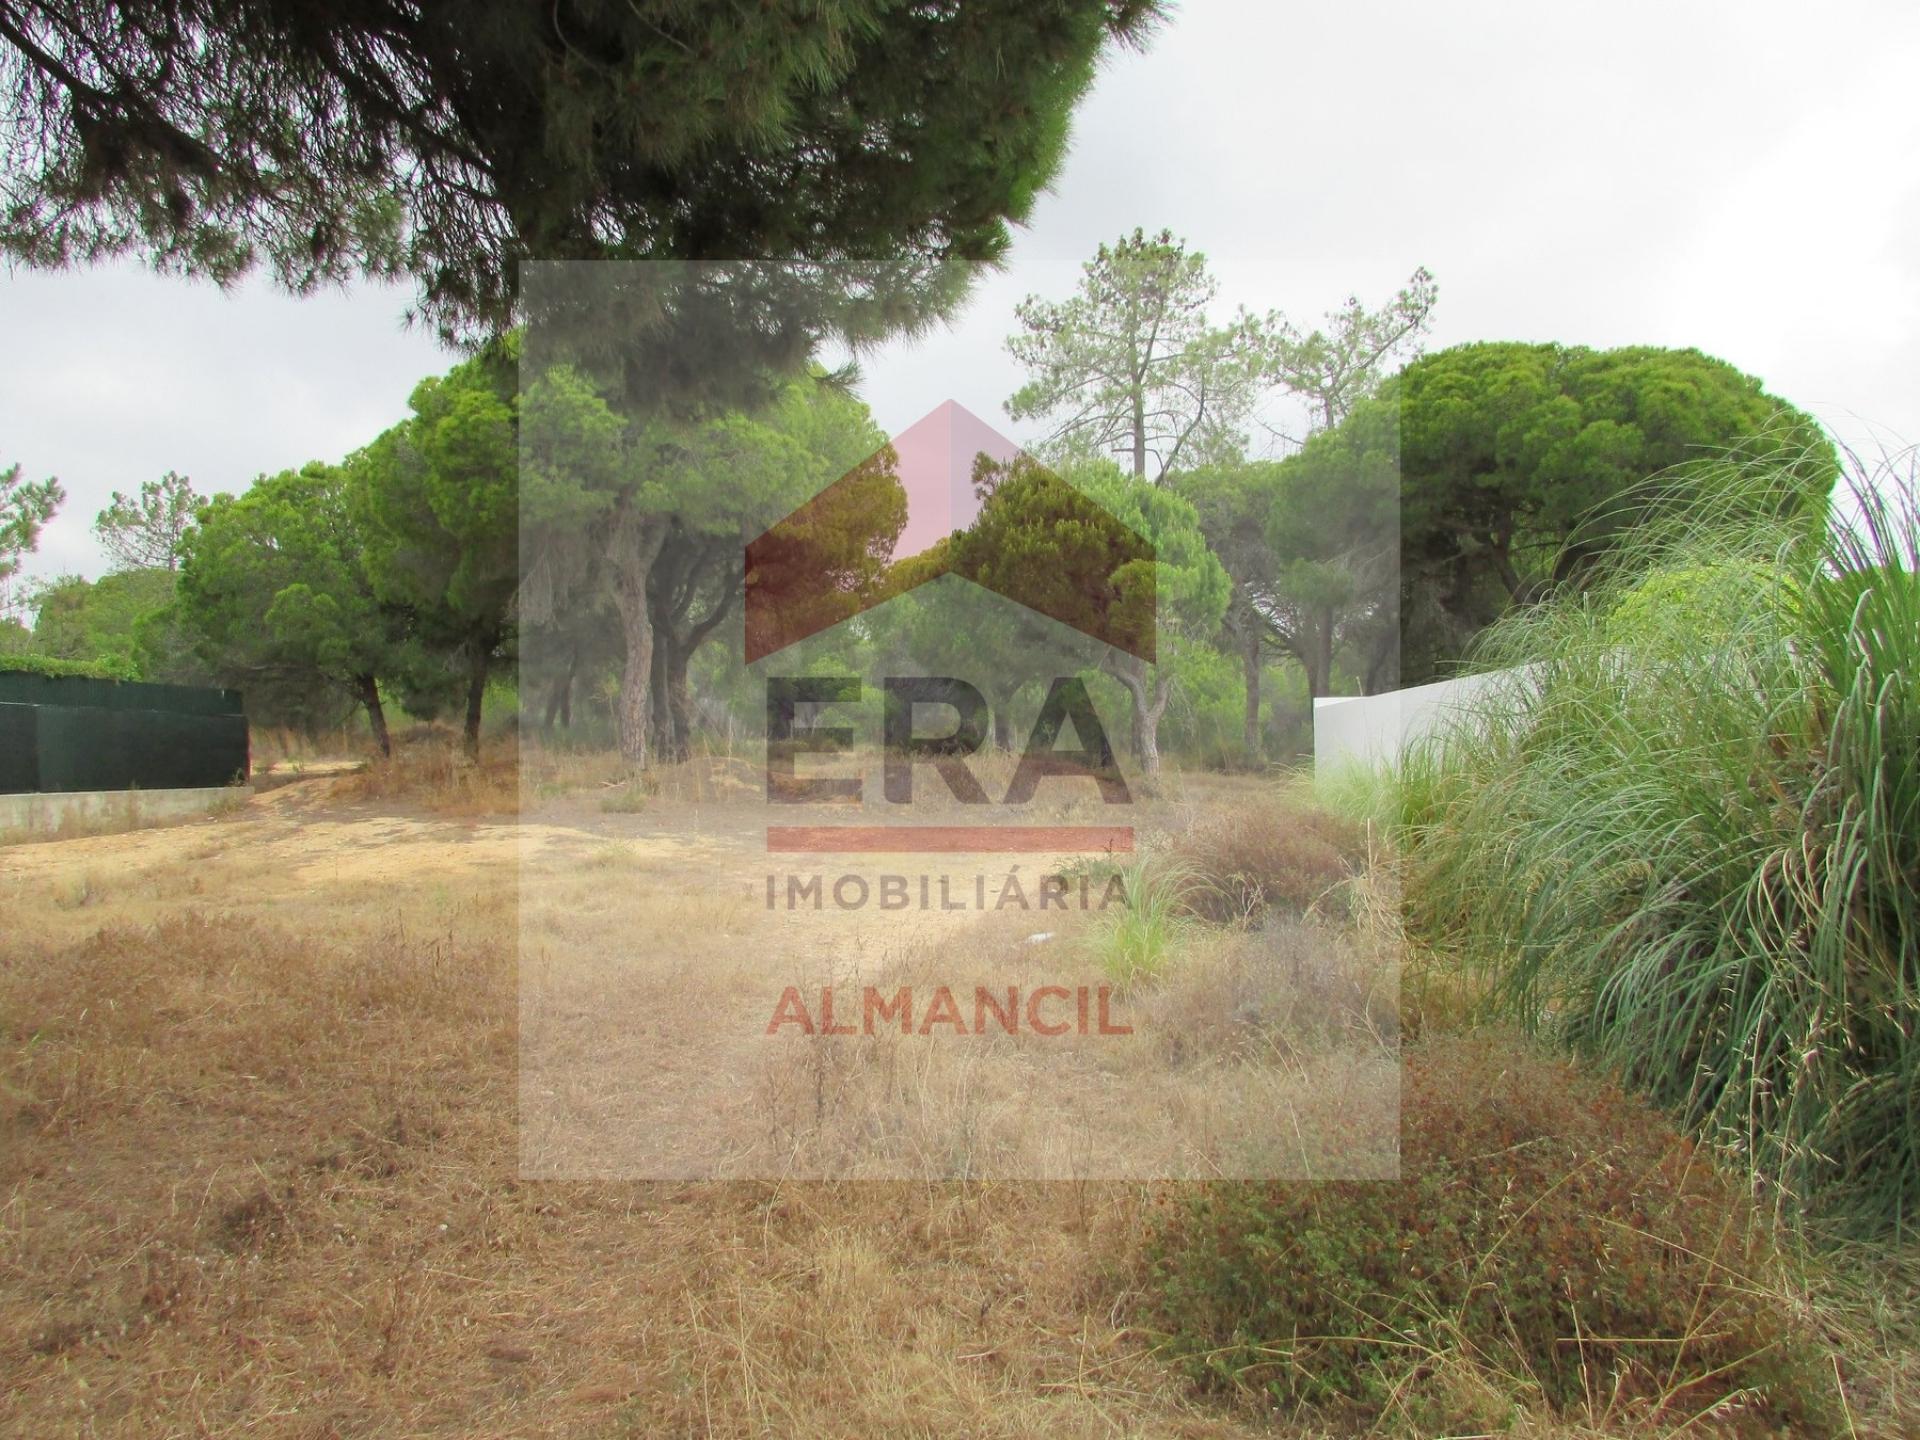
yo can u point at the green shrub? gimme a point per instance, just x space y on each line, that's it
1204 722
117 668
1689 842
1549 1233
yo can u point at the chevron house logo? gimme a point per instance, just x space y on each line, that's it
1014 581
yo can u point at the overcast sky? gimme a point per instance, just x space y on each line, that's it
1740 177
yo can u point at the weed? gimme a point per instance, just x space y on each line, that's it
430 769
1550 1235
1134 942
629 799
1276 853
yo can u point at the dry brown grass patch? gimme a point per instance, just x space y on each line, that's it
264 1181
432 770
1270 850
1553 1244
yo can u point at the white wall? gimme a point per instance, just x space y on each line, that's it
1371 729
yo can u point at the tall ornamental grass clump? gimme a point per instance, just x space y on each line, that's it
1686 837
1138 940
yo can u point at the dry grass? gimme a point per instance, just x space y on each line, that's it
264 1182
429 768
259 1165
1553 1239
280 745
1271 848
261 1176
1290 1025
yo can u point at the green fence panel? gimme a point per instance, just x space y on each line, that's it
96 749
19 750
62 733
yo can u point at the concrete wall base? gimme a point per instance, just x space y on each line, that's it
87 812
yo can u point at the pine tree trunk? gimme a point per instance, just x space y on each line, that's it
1143 714
376 715
1150 722
560 694
1252 656
1149 751
670 707
477 667
1139 416
1320 673
659 721
635 705
679 704
635 542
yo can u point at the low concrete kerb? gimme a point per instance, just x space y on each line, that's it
80 812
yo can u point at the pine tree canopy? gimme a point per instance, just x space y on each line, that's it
449 140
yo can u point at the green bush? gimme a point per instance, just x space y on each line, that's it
109 669
1549 1234
1203 723
1688 842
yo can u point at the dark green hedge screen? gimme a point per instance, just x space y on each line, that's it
63 733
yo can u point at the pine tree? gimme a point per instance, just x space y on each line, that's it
25 508
452 141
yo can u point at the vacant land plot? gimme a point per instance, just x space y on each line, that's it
260 1168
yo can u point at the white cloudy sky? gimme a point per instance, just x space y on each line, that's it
1741 176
